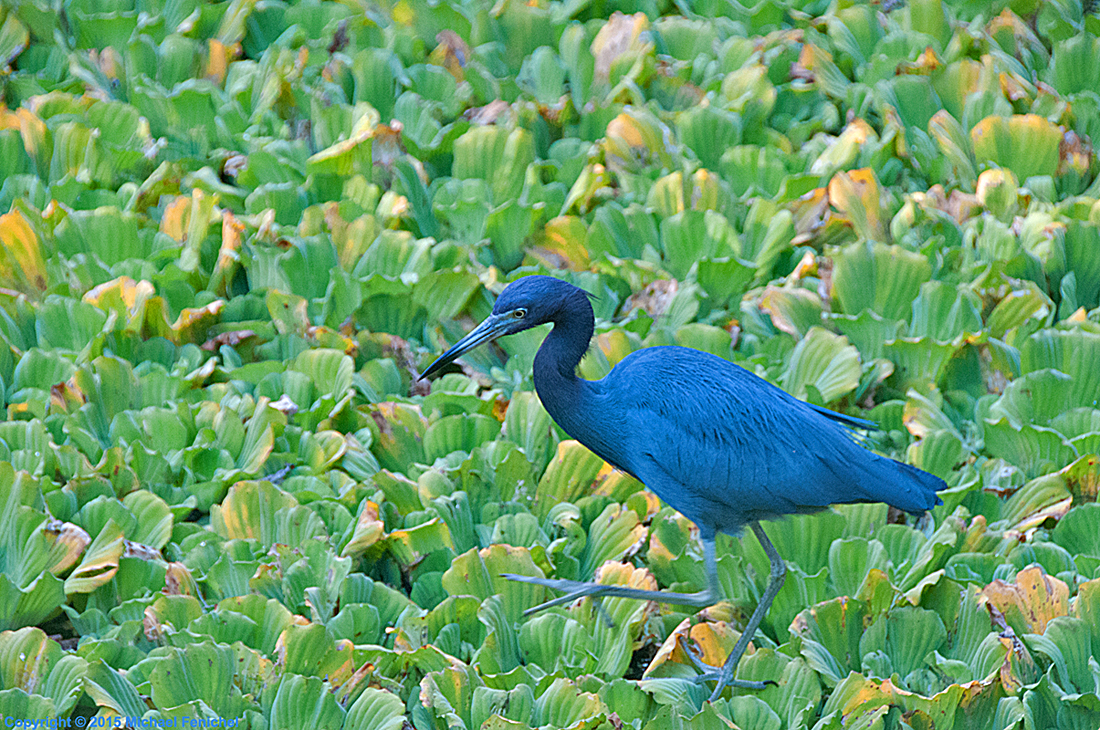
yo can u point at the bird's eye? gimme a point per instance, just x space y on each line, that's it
519 313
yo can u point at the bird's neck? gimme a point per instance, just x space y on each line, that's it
562 393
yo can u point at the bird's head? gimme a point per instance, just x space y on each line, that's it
525 303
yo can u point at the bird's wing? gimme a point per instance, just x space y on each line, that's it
850 421
724 446
748 462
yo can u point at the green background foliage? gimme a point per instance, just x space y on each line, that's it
233 232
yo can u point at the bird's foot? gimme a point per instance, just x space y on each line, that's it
722 675
575 590
723 681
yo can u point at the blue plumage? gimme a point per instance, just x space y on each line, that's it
727 448
721 445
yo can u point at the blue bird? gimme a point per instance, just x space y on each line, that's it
721 445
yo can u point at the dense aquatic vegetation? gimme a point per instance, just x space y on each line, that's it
233 232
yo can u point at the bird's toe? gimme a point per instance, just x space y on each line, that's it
706 671
724 681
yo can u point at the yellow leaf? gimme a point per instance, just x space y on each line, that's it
67 542
348 156
122 294
21 261
614 346
562 244
666 196
193 322
403 14
369 529
581 196
626 130
1035 598
619 486
150 319
176 218
100 561
217 61
844 150
998 190
636 136
204 212
345 651
857 196
705 190
1083 476
784 304
613 573
710 640
229 253
187 218
31 129
392 209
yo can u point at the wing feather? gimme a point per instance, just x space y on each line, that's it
724 446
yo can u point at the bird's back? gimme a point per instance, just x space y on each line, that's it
726 447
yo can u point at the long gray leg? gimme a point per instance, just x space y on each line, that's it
578 589
724 676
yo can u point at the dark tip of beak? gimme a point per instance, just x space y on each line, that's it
487 331
432 369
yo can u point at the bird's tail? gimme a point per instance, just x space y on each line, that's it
917 489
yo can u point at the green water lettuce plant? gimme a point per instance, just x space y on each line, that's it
232 234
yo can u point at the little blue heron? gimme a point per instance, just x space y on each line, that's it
721 445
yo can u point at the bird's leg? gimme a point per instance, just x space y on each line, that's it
724 676
575 590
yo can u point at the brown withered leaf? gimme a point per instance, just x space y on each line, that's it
339 38
654 298
285 405
620 34
233 166
452 53
178 581
1074 153
133 549
488 114
153 629
232 338
66 397
386 143
959 205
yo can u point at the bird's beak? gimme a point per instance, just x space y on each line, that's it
487 331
